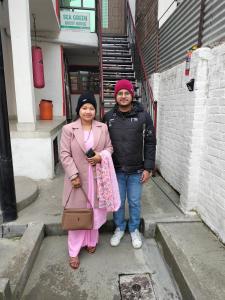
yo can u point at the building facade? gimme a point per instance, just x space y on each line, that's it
66 32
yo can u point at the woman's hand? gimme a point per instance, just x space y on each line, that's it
76 183
95 159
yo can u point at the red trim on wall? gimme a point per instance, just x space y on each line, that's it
57 8
63 85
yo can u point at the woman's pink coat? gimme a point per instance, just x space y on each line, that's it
72 155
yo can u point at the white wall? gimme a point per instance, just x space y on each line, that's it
162 8
132 4
33 157
53 89
211 199
191 134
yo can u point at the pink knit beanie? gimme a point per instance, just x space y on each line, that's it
124 84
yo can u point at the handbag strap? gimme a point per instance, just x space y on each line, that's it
71 193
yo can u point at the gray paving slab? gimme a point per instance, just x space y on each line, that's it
167 189
8 248
17 269
48 208
26 191
197 259
5 291
98 275
155 201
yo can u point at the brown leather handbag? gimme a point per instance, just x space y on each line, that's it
77 218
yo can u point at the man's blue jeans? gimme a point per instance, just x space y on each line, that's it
130 187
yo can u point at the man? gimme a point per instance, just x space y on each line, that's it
133 139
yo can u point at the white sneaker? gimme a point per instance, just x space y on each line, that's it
136 239
117 236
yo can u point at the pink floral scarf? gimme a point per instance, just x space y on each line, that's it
108 190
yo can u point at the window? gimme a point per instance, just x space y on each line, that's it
78 15
89 3
83 79
105 14
78 3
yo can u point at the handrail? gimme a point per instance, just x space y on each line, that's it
139 65
100 57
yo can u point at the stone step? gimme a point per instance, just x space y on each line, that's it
116 76
115 47
113 53
115 42
117 61
196 258
114 39
117 68
26 193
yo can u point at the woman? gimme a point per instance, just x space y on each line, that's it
77 138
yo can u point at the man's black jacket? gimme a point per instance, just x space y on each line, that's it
128 132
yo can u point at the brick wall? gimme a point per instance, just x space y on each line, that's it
116 15
191 134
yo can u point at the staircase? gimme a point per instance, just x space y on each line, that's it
117 64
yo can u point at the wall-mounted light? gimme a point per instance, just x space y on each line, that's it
190 85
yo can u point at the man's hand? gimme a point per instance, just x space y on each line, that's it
145 176
95 159
76 183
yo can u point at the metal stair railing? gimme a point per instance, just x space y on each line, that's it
99 30
139 67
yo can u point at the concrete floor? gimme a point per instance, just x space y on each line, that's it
98 275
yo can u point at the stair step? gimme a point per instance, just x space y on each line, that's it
117 61
109 100
115 42
114 36
110 38
116 74
116 52
117 68
116 55
115 47
197 271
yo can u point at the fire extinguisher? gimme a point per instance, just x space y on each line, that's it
38 67
188 62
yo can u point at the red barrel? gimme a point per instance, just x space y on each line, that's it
38 67
46 109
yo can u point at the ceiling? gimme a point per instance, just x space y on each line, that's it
44 11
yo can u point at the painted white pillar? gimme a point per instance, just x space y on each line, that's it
19 19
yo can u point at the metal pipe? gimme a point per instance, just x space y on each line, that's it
7 186
100 59
201 22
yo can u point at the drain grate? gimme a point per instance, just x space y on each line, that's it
136 287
